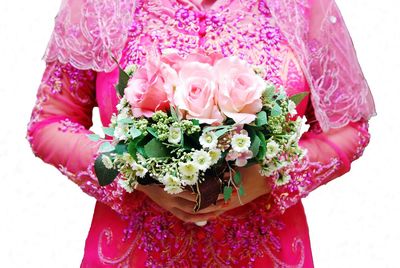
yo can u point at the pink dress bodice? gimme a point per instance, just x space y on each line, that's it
130 230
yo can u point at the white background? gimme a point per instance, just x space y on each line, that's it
45 217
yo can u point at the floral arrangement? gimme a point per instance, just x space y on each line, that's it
184 122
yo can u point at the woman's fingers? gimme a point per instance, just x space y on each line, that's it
188 195
183 204
187 217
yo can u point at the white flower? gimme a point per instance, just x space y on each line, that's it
190 180
172 184
126 184
123 114
107 162
201 159
140 171
175 134
208 140
283 179
215 155
272 149
240 143
173 189
120 132
303 126
188 169
122 103
292 108
127 158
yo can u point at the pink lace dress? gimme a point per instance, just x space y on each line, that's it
129 229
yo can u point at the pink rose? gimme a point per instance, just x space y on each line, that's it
150 88
195 92
239 89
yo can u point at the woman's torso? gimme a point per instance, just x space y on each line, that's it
241 237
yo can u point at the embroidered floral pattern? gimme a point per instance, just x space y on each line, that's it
248 29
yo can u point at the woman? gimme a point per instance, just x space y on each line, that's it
301 45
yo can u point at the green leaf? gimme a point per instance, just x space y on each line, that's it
263 146
174 113
108 131
255 145
196 122
104 175
122 82
125 120
227 193
221 132
132 149
134 132
155 148
276 110
207 129
237 178
269 92
106 147
152 131
297 98
261 119
120 148
93 137
241 190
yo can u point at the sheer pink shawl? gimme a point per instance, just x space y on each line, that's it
88 32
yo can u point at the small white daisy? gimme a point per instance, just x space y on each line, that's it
215 155
126 184
175 134
140 170
107 162
292 108
190 180
201 159
272 149
188 169
283 179
240 143
208 140
120 132
172 184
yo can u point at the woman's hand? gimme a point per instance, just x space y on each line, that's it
181 205
254 185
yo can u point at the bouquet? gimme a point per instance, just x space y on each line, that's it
184 122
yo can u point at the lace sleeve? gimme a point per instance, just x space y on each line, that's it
329 155
58 128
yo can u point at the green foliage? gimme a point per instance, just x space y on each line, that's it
227 193
152 131
104 175
106 147
174 114
263 146
261 119
108 131
122 81
237 178
155 148
276 110
241 190
93 137
297 98
255 145
134 133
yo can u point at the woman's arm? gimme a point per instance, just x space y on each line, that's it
58 129
329 155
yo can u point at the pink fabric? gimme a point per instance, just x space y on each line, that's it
88 32
129 230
